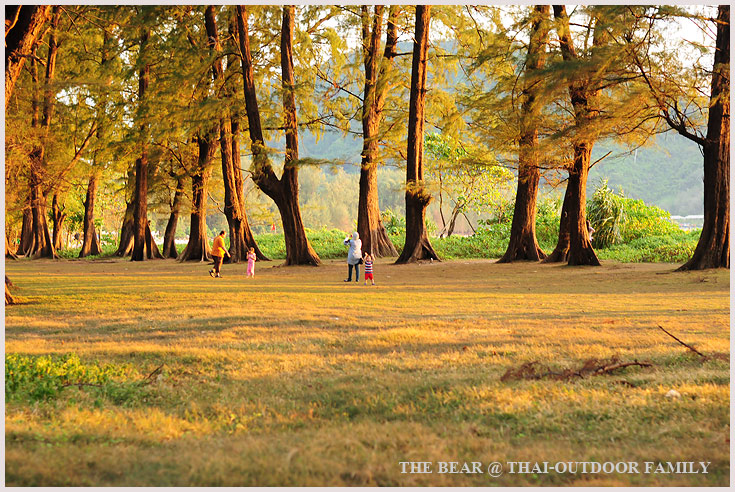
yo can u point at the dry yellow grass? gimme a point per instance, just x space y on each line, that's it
296 378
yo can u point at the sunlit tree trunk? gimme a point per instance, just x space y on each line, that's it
583 97
23 26
197 249
284 191
374 238
417 246
523 244
713 248
90 241
169 236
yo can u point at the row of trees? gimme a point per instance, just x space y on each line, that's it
152 95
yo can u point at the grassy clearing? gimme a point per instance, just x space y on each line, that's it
296 378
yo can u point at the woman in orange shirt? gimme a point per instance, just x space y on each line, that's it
218 253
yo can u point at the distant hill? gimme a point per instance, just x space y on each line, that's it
667 173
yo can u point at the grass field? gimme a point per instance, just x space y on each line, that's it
296 378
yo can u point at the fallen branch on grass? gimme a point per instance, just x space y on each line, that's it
149 378
591 367
685 344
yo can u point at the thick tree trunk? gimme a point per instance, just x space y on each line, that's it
561 251
8 296
580 247
169 237
9 255
283 192
374 238
41 245
713 248
417 246
90 241
21 34
125 246
140 212
523 244
59 217
232 176
247 234
26 236
198 248
583 94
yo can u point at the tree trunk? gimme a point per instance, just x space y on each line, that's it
8 296
284 192
583 94
140 213
169 237
453 220
59 217
90 241
41 245
417 246
580 247
27 22
561 251
374 238
9 255
198 248
247 234
125 246
713 248
523 244
232 177
26 237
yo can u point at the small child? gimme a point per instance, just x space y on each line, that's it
368 260
251 263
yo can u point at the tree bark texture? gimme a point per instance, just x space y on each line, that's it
59 217
284 191
26 235
713 248
523 244
561 251
197 249
140 211
374 238
169 237
41 245
26 25
125 246
241 238
417 246
90 241
583 93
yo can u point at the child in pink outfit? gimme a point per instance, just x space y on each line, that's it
251 263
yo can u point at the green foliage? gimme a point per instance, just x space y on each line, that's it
645 220
617 219
393 223
673 248
606 213
43 378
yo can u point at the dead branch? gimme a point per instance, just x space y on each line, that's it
685 344
149 379
591 367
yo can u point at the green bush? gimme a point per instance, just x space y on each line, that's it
44 377
606 213
674 248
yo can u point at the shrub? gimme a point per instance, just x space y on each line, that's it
43 378
606 213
